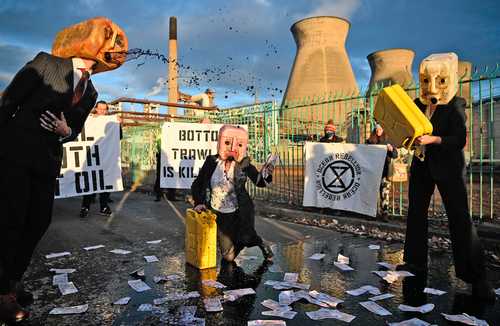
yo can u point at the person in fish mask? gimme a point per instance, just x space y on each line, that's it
45 105
224 176
330 135
442 164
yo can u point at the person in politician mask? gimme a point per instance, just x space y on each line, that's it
224 176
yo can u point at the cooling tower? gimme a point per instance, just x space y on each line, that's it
464 75
391 66
173 90
321 68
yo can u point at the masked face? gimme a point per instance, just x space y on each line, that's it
438 78
97 39
233 142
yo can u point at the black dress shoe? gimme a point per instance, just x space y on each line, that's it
84 212
106 211
266 252
483 291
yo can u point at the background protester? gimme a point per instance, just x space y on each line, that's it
330 134
224 176
378 137
45 105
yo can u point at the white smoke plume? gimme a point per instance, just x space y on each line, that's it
340 8
161 83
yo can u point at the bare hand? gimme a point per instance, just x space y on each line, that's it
427 139
51 123
390 148
200 208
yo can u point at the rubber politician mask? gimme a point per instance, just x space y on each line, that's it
96 39
438 78
233 143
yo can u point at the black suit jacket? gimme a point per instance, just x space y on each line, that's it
45 83
446 160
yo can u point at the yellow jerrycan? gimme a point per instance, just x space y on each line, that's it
201 239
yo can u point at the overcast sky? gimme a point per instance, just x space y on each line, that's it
238 46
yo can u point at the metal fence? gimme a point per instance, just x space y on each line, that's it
284 128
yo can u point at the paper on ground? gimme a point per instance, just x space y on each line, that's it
465 319
288 314
69 310
497 291
59 279
138 285
317 256
58 254
434 291
62 271
382 297
289 285
212 304
177 296
233 295
120 251
422 309
411 322
67 288
373 247
266 323
342 259
275 269
213 284
145 307
330 313
375 308
122 301
305 295
291 277
93 247
343 267
274 305
323 297
151 259
366 288
154 242
286 298
387 265
392 276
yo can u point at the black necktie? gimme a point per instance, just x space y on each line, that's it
80 87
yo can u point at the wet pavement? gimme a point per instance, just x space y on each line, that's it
101 277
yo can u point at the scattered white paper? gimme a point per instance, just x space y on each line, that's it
212 304
138 285
286 298
266 323
291 277
323 297
153 242
330 313
123 301
138 273
366 288
434 291
305 295
271 282
317 256
375 308
233 295
373 247
387 265
60 279
62 270
93 247
176 296
57 255
342 259
174 277
392 276
274 305
275 269
159 279
213 284
69 310
67 288
465 319
151 259
145 307
422 309
244 257
411 322
290 285
382 297
120 251
343 267
497 291
280 313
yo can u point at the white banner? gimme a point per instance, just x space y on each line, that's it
184 147
343 176
92 163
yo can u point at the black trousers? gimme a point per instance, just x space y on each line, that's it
468 253
234 234
103 199
26 199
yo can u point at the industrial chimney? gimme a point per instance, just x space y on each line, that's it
391 66
321 68
173 88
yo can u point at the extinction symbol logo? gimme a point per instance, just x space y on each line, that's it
338 177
